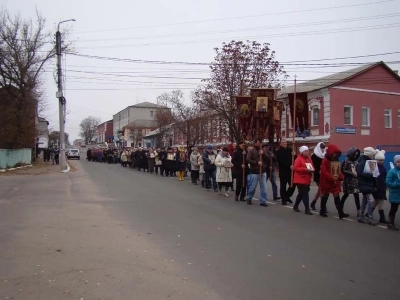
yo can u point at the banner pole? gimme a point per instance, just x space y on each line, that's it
294 127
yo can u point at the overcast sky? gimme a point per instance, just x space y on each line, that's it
187 31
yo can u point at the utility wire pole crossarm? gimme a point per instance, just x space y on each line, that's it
60 96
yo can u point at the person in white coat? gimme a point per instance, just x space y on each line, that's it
224 165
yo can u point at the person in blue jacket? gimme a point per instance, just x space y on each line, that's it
393 183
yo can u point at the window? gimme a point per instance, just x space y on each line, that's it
315 116
348 115
388 118
151 113
398 118
365 116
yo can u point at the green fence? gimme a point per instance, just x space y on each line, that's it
14 158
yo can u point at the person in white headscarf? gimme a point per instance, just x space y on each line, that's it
317 157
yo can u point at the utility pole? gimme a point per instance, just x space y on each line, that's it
61 99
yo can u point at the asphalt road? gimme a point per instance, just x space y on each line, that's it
238 251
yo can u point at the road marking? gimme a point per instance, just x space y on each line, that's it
345 219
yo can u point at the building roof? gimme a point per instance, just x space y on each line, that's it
157 131
330 80
142 124
148 105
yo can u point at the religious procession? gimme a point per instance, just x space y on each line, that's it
241 167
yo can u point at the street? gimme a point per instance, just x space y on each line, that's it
107 232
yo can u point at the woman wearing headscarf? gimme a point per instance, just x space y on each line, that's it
350 182
393 183
181 161
224 166
317 157
303 169
329 183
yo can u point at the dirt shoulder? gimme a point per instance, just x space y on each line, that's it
39 167
59 242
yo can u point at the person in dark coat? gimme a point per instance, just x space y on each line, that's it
366 185
143 161
380 193
350 181
284 158
162 157
89 154
138 159
240 168
169 163
151 160
210 169
317 157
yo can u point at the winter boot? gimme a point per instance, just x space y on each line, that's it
313 205
382 218
296 204
391 225
340 208
322 211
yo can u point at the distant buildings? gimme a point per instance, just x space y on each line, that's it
141 111
105 132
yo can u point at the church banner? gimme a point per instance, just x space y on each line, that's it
243 104
301 123
263 101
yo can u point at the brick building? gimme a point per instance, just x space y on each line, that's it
105 132
358 107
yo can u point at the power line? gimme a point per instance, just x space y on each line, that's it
279 35
242 17
161 62
118 74
368 18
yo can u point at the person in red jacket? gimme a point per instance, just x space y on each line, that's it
330 184
303 169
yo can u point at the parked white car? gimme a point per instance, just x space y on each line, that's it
73 153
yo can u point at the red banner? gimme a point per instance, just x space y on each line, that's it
263 101
301 121
243 104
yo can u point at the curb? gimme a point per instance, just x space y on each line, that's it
13 169
67 170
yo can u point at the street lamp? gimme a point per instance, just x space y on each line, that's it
59 95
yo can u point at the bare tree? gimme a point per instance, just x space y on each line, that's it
164 119
25 48
89 128
187 118
237 67
54 138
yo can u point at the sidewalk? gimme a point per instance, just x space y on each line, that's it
60 242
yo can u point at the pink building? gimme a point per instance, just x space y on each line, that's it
359 107
105 132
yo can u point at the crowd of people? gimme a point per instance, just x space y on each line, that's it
257 164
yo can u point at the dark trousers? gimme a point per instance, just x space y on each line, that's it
286 179
240 188
194 174
158 168
356 200
393 209
303 195
211 178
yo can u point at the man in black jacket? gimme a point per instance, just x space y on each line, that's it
284 159
209 168
259 161
241 167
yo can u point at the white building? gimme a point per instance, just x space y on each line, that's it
141 111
